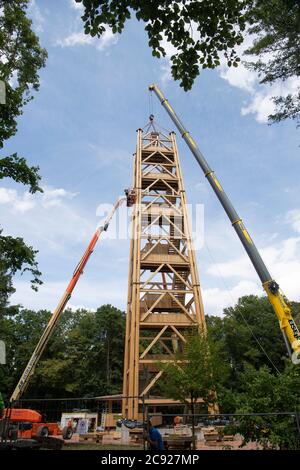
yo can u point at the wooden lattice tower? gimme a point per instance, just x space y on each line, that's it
164 298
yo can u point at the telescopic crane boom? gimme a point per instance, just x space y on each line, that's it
288 326
29 369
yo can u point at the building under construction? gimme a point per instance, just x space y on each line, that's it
164 296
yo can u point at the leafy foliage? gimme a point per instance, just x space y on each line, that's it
197 372
21 57
16 168
255 384
277 25
201 32
84 357
250 334
15 256
263 392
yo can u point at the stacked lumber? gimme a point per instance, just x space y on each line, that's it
92 436
211 436
136 436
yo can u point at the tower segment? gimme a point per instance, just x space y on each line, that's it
164 297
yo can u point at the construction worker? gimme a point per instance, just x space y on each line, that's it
177 420
154 438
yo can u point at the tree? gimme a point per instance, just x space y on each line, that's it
201 32
264 392
84 356
197 372
15 256
250 334
277 26
21 57
96 348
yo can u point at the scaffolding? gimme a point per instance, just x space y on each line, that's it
164 297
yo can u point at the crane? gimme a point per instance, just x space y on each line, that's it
36 355
287 324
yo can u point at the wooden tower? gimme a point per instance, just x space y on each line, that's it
164 297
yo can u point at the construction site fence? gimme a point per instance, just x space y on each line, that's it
52 409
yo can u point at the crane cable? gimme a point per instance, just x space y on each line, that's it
240 311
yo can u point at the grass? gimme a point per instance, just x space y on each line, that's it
95 446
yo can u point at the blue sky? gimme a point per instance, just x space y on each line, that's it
81 130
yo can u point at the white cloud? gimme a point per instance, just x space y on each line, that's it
7 195
166 75
235 268
19 203
293 218
79 38
54 196
49 221
25 201
261 105
239 77
260 101
236 276
165 67
76 6
216 299
106 40
88 293
75 39
283 261
36 16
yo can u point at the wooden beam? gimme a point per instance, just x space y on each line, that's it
153 342
153 381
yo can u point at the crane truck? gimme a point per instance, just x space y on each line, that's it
287 324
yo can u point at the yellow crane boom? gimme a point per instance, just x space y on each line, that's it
287 324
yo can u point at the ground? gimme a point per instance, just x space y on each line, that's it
95 446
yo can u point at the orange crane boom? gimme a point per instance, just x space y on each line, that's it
29 369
